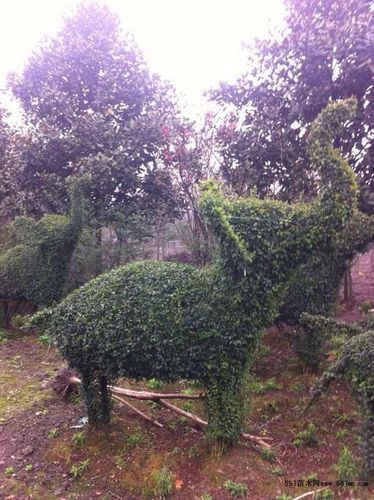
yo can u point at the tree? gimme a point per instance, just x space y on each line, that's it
92 105
324 53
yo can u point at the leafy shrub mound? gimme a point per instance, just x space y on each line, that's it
356 366
34 268
169 321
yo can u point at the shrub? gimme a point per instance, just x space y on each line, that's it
236 489
171 321
356 366
163 482
346 467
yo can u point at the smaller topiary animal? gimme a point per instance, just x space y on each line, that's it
34 269
356 366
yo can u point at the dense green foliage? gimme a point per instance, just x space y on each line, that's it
356 366
168 321
310 337
314 287
34 267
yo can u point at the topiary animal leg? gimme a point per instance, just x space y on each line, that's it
105 401
225 405
91 396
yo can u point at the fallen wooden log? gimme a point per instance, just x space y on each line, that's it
66 379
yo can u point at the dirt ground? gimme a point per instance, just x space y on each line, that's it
44 443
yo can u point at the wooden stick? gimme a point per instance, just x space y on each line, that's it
160 398
138 412
310 493
143 395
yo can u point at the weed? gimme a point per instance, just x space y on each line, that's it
77 470
312 477
135 439
53 433
28 467
236 489
297 387
284 496
269 408
257 387
154 383
366 307
188 391
206 496
324 495
9 471
163 482
267 454
341 433
188 406
78 438
120 463
346 466
45 339
193 452
307 436
153 405
277 471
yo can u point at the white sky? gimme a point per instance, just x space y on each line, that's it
193 43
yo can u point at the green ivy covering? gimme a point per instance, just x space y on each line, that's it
35 266
315 286
356 366
165 320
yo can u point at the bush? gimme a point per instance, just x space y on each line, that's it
171 321
356 366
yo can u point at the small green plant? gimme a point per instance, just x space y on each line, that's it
257 387
206 496
341 433
120 463
188 406
312 477
45 339
28 467
366 307
297 387
277 471
193 452
267 454
78 438
53 433
284 496
307 436
163 479
346 467
18 321
324 495
9 471
135 439
77 470
154 383
188 391
236 489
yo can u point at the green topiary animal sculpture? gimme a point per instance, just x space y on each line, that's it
314 288
34 269
170 321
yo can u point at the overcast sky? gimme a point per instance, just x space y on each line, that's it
193 43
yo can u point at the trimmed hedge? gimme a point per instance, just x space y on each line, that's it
164 320
35 266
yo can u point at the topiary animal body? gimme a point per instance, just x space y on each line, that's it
33 270
165 320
